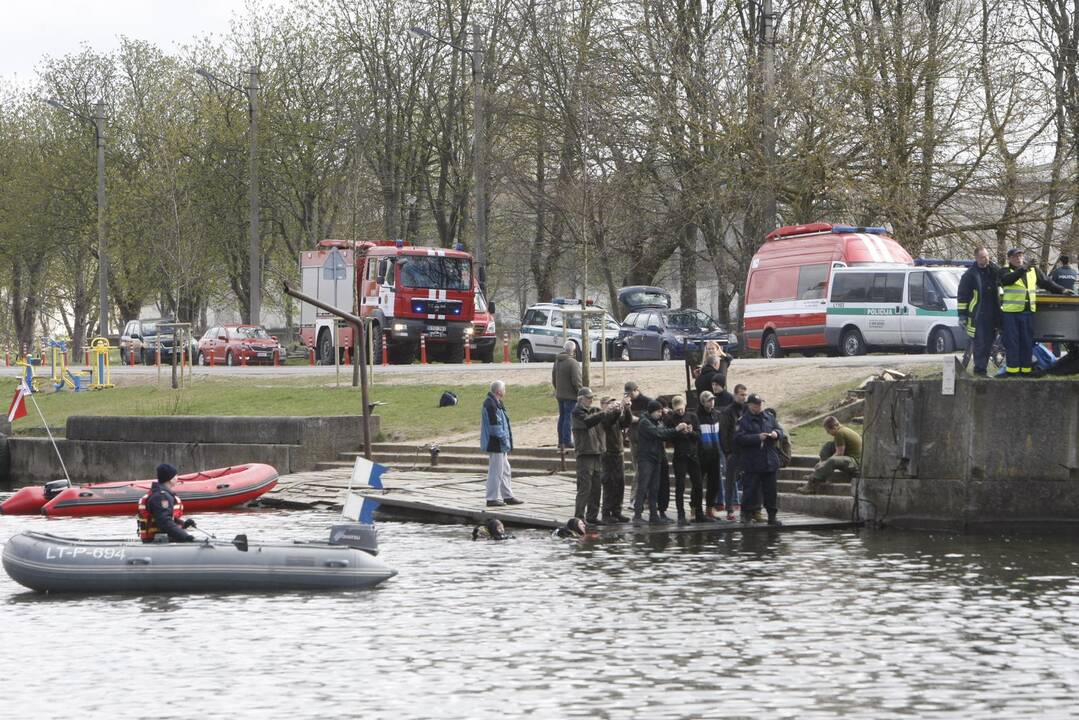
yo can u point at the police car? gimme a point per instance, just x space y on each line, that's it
547 326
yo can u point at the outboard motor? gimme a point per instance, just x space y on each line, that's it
355 535
55 487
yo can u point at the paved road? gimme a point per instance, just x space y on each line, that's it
539 370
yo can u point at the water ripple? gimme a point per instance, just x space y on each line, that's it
795 625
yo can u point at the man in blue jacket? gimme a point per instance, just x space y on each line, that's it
496 439
758 437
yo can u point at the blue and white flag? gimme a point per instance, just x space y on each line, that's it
364 473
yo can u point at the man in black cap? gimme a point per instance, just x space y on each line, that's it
160 509
758 437
589 444
650 435
1018 303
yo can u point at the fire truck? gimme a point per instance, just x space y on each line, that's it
406 291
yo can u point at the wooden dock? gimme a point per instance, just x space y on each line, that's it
459 498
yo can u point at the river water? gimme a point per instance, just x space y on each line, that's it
762 624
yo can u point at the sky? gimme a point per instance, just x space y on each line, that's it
31 29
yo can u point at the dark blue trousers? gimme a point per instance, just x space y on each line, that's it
565 418
1019 342
984 333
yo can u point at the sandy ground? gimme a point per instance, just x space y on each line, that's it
778 382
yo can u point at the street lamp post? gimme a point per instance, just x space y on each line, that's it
479 142
98 121
254 300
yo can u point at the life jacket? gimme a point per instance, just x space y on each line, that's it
1021 292
147 527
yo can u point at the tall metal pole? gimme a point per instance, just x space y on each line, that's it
768 120
358 325
255 289
102 242
479 158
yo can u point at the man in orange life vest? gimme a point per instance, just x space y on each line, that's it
160 509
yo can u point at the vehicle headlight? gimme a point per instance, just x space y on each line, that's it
733 338
245 346
470 331
400 327
490 330
681 339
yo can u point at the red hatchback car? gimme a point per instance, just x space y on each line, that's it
229 344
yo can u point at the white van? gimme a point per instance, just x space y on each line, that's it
891 306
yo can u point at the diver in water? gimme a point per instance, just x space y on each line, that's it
574 529
492 529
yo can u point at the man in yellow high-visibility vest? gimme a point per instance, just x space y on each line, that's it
1019 285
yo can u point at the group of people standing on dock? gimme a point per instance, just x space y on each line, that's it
728 451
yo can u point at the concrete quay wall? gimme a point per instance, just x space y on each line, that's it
99 449
997 453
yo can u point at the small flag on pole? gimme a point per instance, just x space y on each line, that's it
364 473
18 403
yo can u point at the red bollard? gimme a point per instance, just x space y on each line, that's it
131 354
505 347
157 358
277 358
211 358
385 352
348 355
243 359
423 349
312 357
7 358
468 352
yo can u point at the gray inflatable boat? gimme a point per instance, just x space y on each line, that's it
47 563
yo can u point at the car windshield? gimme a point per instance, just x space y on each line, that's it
253 333
149 328
949 282
443 273
595 322
647 298
693 320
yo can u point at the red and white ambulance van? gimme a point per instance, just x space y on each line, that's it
788 280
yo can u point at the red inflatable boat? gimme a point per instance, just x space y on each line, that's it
202 491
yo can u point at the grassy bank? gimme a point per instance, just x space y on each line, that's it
809 438
411 411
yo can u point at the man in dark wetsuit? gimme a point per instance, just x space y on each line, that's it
160 509
492 529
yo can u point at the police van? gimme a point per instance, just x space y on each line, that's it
890 306
547 326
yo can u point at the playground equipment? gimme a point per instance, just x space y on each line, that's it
60 375
100 374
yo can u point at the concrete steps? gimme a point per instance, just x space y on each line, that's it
838 507
448 469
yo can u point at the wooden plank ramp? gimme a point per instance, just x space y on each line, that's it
450 497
